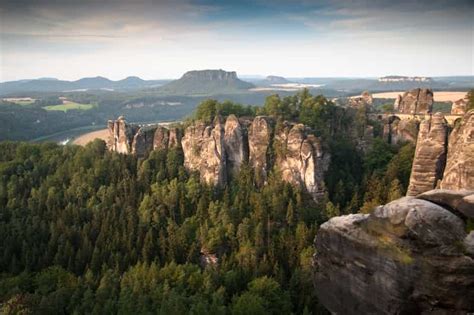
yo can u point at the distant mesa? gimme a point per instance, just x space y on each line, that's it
206 82
273 79
399 78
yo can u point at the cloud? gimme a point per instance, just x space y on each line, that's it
114 37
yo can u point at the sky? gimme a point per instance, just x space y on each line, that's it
70 39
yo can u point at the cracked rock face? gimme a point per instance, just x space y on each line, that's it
459 107
411 256
430 155
203 148
218 150
396 130
417 101
121 135
260 136
300 159
459 171
235 143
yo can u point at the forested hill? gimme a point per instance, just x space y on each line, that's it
88 231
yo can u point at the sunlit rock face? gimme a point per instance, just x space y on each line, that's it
121 135
411 256
459 171
260 134
218 150
397 131
459 107
203 148
300 158
235 143
417 101
430 155
443 161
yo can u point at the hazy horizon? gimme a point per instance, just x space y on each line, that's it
115 39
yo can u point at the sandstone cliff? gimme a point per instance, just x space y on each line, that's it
396 130
235 143
299 158
442 161
260 135
417 101
411 256
459 171
218 150
203 148
430 155
459 107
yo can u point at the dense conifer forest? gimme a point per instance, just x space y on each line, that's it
88 231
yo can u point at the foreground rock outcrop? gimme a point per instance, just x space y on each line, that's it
416 101
411 256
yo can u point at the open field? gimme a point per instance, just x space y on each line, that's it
68 105
20 100
91 136
439 96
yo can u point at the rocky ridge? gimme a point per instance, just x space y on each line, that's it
411 256
217 150
416 101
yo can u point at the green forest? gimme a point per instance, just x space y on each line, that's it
88 231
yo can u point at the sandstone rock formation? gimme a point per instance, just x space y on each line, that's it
459 171
161 138
447 162
417 101
364 100
143 140
236 144
300 158
430 155
121 135
218 150
396 130
459 107
203 148
411 256
260 134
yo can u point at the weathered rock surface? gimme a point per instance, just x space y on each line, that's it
459 107
410 256
364 100
203 148
121 135
143 140
161 138
459 171
460 201
417 101
396 130
300 159
218 150
430 155
236 144
260 135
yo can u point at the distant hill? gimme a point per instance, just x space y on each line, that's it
273 79
206 82
95 83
